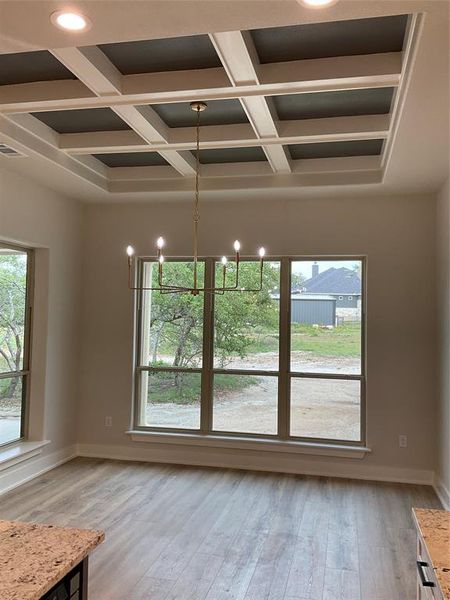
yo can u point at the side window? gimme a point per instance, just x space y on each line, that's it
15 277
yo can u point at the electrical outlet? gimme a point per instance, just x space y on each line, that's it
403 441
108 421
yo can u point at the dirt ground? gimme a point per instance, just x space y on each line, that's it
319 408
10 407
300 361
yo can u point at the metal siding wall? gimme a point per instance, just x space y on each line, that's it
313 312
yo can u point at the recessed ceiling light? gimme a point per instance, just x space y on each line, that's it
317 3
70 21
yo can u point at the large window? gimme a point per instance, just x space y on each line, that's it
286 362
15 276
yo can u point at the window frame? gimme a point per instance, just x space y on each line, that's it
25 373
284 372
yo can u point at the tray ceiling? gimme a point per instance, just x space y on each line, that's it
371 101
303 99
324 40
27 67
82 121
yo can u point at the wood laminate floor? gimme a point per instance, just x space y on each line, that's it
187 533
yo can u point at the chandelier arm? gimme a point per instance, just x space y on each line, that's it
236 280
130 272
236 287
158 289
162 285
173 289
160 273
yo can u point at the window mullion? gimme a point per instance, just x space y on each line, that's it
29 311
363 414
206 406
284 349
139 411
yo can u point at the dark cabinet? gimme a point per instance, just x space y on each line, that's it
72 587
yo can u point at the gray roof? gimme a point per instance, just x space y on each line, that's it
334 281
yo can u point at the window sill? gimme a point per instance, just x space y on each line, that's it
20 451
243 443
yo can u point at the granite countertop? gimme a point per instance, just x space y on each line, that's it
434 526
33 558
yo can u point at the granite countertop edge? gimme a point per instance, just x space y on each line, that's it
17 543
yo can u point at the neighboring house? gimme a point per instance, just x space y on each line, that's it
328 298
342 283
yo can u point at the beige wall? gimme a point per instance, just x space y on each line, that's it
397 234
443 297
37 217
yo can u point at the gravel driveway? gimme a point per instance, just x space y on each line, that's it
319 408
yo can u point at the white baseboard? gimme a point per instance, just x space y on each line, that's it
23 472
442 493
256 461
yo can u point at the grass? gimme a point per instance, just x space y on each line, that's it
341 341
167 388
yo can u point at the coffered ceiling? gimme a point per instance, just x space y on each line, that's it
317 100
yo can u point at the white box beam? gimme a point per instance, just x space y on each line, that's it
239 59
97 72
295 77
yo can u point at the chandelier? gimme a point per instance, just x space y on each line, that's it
170 288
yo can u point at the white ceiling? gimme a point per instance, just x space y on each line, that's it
419 158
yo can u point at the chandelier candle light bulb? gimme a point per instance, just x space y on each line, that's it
168 288
130 253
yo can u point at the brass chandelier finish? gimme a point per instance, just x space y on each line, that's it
195 290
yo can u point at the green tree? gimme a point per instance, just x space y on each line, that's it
239 314
176 322
13 276
177 319
297 280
